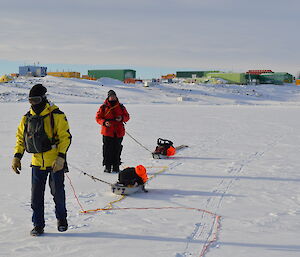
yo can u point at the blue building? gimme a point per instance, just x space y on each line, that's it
35 71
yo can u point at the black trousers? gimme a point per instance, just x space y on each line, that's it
112 148
56 183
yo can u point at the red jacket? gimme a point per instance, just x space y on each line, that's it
107 112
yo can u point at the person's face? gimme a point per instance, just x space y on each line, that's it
112 98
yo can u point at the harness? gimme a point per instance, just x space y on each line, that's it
111 108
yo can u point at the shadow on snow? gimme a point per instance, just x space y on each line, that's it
273 247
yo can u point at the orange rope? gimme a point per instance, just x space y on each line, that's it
207 244
150 208
214 238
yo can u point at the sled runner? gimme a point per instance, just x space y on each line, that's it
165 149
120 189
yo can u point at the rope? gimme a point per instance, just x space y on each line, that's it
74 192
95 178
214 236
110 204
154 208
215 226
137 142
91 176
208 243
164 168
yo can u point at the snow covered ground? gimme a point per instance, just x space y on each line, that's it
239 179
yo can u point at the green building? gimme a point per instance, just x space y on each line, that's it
277 78
192 74
114 74
232 78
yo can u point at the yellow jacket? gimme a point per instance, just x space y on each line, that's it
61 132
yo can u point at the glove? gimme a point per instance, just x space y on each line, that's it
16 165
58 164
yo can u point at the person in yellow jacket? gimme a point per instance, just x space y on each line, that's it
44 132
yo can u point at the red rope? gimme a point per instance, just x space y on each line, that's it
214 238
82 210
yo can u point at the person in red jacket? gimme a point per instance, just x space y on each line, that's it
111 116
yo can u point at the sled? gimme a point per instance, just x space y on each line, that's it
120 189
162 156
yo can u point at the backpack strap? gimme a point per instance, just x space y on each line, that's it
52 128
27 115
54 134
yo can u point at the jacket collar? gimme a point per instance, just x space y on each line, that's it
48 108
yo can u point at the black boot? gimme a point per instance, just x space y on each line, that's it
107 169
37 231
116 169
62 225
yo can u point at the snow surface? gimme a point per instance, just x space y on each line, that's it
242 165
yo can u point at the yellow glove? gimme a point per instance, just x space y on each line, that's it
16 165
58 164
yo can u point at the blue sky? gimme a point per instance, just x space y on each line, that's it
153 37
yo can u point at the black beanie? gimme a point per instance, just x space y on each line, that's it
37 90
110 93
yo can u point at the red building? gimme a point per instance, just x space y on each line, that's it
258 72
132 81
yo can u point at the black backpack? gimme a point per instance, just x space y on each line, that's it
128 176
162 146
35 138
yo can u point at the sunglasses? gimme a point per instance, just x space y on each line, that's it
35 100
